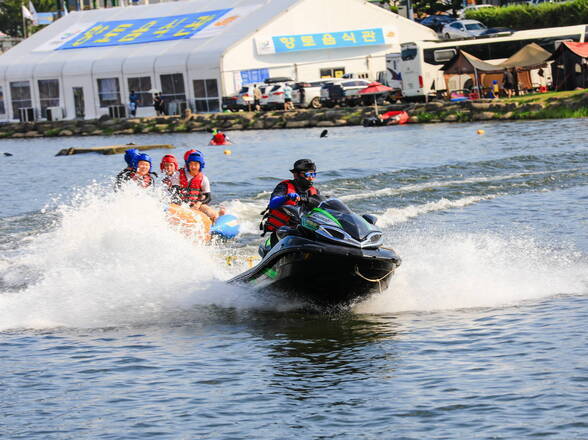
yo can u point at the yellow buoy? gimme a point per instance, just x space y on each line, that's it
480 131
228 152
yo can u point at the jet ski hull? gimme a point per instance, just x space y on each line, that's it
322 273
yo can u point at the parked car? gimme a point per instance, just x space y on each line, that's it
343 92
462 13
436 22
230 103
273 96
312 94
496 32
463 29
245 96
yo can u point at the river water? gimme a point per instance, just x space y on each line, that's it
113 325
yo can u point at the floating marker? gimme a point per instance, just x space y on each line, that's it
480 131
228 152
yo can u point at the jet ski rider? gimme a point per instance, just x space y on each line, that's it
295 191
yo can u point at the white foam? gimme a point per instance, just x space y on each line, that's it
476 270
387 192
114 259
399 215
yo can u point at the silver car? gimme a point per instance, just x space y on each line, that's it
462 29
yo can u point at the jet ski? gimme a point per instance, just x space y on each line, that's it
333 257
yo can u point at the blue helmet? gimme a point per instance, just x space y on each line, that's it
145 157
130 155
196 157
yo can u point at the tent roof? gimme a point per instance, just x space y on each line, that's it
34 54
580 49
530 56
463 62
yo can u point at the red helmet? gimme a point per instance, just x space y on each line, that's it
169 158
187 153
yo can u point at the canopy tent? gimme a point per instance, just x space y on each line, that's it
465 64
532 56
569 69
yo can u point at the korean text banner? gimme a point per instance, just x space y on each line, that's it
328 40
143 30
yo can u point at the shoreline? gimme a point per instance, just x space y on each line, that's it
554 105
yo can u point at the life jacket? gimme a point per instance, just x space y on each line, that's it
276 218
219 138
143 181
190 191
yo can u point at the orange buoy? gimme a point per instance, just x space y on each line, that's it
480 131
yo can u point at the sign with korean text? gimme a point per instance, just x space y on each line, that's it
143 30
324 40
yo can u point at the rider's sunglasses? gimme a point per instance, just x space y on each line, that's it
309 173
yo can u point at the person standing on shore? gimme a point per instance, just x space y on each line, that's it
508 83
158 105
288 97
133 103
256 97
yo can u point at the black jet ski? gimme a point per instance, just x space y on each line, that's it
333 257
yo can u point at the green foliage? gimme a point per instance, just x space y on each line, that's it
429 7
520 17
427 117
11 15
554 113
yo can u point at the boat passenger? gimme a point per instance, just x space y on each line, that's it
169 166
124 175
295 191
194 186
142 175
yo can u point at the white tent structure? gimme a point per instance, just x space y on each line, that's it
194 52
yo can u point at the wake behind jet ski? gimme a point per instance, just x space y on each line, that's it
332 257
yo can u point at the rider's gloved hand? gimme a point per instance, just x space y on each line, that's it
293 196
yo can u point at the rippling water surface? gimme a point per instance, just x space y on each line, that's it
113 325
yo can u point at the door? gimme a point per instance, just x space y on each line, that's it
78 94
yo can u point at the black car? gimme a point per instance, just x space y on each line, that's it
436 22
496 32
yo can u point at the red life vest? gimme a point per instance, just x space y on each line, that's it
190 191
219 138
276 218
143 181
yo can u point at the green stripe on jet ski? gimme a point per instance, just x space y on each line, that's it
328 215
271 273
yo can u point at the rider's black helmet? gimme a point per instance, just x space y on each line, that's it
303 165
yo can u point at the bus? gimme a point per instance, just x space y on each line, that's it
421 61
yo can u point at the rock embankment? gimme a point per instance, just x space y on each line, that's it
480 110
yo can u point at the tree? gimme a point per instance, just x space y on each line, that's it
11 14
429 7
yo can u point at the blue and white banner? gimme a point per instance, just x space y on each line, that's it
143 30
324 40
254 76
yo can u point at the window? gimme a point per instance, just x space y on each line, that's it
48 94
108 92
505 49
332 72
408 53
172 87
2 108
442 56
20 92
141 86
206 95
